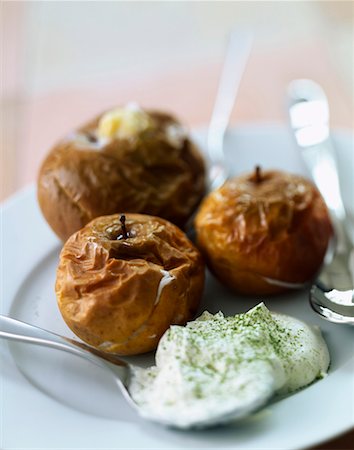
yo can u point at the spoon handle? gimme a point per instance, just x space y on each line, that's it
309 119
237 54
16 330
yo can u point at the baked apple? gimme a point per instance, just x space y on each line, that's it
123 280
263 231
128 159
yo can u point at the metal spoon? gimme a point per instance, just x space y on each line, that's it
335 306
237 54
17 330
332 294
123 372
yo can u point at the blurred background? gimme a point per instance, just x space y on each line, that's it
63 62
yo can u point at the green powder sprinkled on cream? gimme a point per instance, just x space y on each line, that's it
216 364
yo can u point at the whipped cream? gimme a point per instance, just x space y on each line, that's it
216 365
165 280
84 140
341 297
175 135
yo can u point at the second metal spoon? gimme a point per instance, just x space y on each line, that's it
309 118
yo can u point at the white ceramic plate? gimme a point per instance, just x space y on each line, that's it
53 400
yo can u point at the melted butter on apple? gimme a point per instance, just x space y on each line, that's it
124 122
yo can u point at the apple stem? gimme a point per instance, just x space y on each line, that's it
91 137
124 228
258 174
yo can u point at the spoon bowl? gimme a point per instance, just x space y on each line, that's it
339 311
